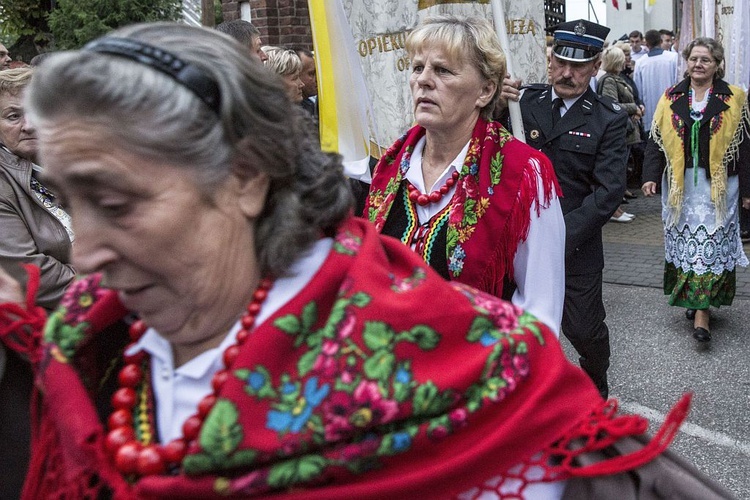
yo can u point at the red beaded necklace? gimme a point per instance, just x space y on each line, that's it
422 199
131 457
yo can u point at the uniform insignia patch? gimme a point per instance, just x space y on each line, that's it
616 106
534 134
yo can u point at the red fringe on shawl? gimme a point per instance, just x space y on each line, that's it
21 328
525 198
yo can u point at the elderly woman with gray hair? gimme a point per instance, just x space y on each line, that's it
700 152
240 334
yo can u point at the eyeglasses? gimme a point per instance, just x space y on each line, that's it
702 60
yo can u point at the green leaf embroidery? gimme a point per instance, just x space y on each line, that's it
470 213
401 392
496 169
221 433
360 299
241 458
309 317
307 361
297 471
197 464
451 238
424 336
288 324
380 365
428 400
479 327
529 322
378 335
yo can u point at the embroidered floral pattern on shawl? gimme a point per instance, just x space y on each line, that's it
351 388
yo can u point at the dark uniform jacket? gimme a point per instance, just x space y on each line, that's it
587 148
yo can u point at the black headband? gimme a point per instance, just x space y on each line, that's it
188 75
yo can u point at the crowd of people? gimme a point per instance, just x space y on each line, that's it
236 329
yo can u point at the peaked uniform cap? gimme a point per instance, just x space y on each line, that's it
579 41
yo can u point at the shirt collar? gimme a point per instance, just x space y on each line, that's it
656 51
567 102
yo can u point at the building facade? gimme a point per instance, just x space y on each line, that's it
281 22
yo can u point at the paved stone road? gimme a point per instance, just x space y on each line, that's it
655 360
634 251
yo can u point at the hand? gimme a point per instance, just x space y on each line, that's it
10 289
510 90
746 203
649 188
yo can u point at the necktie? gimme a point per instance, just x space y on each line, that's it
557 103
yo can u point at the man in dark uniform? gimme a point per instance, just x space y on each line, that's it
584 136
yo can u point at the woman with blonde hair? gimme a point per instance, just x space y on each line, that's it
287 64
478 205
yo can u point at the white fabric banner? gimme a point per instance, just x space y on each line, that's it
736 41
708 18
380 27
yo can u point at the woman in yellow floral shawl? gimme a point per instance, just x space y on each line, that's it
699 140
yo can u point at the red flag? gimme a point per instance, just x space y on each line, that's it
615 4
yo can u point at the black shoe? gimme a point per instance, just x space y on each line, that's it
702 335
745 236
690 314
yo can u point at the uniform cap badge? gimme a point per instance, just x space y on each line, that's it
580 29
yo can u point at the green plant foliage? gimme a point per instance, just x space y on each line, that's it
73 23
23 17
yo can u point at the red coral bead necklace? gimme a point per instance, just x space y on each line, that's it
422 199
130 456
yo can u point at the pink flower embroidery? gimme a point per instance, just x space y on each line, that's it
79 298
503 314
365 408
346 327
471 187
326 363
457 209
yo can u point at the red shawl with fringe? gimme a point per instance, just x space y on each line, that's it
378 380
489 211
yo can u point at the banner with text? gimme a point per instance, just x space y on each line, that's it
379 29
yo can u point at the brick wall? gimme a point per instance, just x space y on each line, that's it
281 22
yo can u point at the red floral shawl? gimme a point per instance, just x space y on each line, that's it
378 380
489 211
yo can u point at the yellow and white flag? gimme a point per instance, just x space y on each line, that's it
343 98
650 5
363 67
